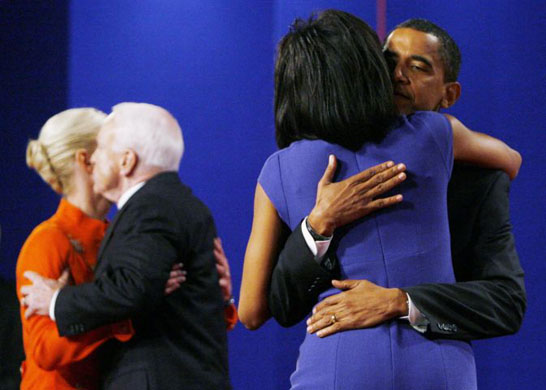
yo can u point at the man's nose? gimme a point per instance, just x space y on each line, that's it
399 74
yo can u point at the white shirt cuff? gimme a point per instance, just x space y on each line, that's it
416 319
317 248
52 305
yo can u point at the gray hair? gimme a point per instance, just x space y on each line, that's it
151 132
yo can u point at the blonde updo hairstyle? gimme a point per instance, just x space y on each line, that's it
52 154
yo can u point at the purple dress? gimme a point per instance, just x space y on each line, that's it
403 245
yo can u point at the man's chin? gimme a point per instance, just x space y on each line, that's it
403 105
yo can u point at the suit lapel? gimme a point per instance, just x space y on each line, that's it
154 182
109 233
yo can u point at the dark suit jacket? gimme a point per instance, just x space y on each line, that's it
11 342
489 297
180 340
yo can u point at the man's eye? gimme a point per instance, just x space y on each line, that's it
417 68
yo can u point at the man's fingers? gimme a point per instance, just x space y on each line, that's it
177 266
220 257
25 290
32 276
219 253
29 312
330 171
169 290
222 270
176 279
174 283
218 245
345 284
177 275
326 303
177 272
334 328
318 322
326 325
65 277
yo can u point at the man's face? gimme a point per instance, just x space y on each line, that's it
417 70
106 165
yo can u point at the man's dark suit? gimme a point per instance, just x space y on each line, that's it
488 300
180 340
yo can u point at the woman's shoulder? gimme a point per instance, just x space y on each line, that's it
300 156
426 119
303 150
427 125
49 231
46 246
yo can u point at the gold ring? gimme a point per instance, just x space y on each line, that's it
333 319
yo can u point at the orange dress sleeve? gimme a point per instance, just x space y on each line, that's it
47 251
230 316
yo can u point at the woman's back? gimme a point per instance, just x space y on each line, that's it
404 245
416 227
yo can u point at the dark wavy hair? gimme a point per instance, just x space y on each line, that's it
332 82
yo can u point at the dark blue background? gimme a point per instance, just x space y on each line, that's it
211 64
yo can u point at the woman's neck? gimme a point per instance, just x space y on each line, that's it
92 205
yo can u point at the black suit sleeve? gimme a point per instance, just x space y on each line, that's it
133 282
489 299
296 281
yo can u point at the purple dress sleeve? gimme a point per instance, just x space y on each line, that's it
271 181
439 127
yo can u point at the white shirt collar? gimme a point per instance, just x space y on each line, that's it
128 194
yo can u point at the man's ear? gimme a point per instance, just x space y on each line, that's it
452 92
129 162
83 159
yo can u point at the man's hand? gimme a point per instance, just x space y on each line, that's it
222 266
361 304
177 276
346 201
37 296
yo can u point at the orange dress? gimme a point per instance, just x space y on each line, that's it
68 239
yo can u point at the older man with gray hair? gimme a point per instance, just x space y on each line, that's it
180 339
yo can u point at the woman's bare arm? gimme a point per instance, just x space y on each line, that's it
483 150
261 251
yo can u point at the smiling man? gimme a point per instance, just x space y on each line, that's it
489 297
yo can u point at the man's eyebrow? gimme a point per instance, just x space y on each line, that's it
422 59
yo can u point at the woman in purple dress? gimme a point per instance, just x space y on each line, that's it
333 95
